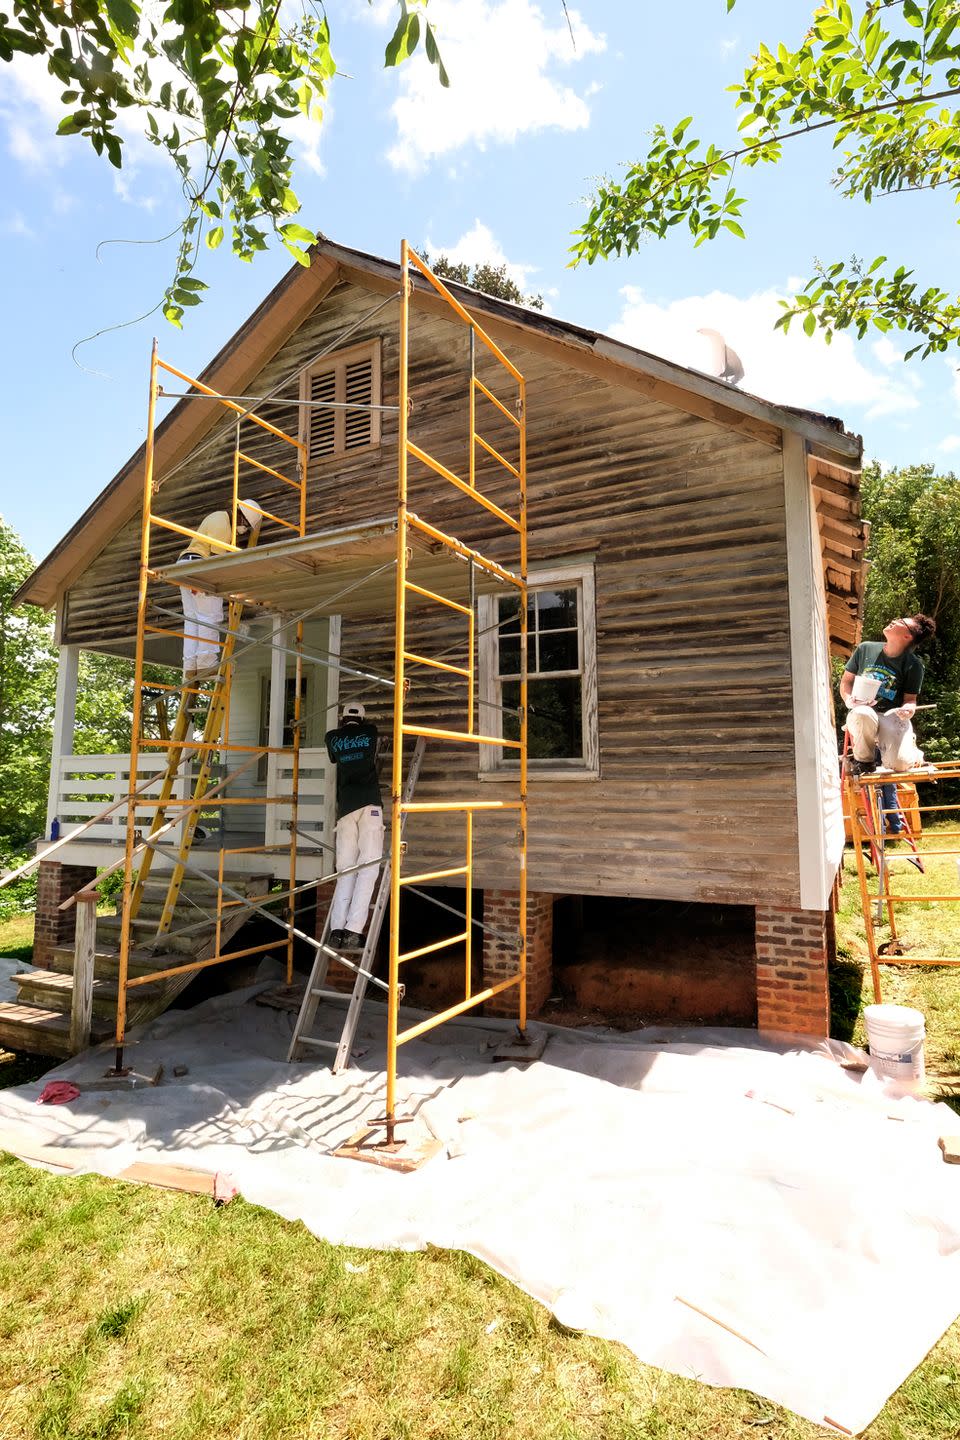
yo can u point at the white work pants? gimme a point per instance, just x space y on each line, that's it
892 732
359 839
201 616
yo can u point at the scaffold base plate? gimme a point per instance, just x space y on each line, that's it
404 1156
129 1080
522 1048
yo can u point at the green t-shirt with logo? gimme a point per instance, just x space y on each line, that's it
899 675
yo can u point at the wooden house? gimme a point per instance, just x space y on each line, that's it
696 558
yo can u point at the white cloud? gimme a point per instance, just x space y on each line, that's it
954 376
16 225
791 369
886 352
501 56
307 135
727 47
30 111
479 246
949 444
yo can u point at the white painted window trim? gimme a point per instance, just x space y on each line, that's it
492 765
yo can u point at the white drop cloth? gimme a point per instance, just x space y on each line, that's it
752 1215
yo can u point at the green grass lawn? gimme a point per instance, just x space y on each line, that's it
16 938
130 1312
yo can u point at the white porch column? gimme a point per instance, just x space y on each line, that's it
64 718
334 634
274 833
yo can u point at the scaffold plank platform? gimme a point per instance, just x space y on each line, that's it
348 570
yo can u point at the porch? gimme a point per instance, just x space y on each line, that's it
255 821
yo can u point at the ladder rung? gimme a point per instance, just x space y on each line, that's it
429 949
440 599
428 875
330 994
429 733
436 664
320 1044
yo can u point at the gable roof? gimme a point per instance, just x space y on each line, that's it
297 295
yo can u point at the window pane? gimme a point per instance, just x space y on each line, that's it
509 655
557 609
508 615
559 650
555 731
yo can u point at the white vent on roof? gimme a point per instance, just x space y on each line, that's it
721 361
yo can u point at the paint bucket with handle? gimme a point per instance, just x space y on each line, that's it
865 688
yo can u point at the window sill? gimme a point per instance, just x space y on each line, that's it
535 775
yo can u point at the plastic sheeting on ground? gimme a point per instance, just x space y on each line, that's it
744 1213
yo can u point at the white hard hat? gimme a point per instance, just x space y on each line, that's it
353 711
250 511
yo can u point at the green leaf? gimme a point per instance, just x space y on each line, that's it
810 322
187 282
297 232
404 40
214 237
73 124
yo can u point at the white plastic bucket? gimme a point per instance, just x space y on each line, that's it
895 1035
865 687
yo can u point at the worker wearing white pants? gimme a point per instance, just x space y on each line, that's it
879 687
891 733
202 617
359 842
202 613
352 747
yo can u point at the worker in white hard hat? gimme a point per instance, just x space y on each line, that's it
203 614
352 747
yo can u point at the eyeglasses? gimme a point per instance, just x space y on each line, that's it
907 625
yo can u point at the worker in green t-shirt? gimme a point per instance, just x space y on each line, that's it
881 720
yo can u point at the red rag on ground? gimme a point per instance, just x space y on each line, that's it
58 1092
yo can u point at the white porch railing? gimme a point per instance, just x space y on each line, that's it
83 785
315 808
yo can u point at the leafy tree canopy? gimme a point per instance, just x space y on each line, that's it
491 279
213 86
28 683
915 566
881 79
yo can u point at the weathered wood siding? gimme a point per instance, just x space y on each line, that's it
684 521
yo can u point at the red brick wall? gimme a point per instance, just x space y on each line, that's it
52 927
793 948
501 908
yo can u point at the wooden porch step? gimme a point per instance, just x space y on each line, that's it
106 962
53 989
37 1030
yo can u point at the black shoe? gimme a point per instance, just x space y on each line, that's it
337 939
857 768
352 940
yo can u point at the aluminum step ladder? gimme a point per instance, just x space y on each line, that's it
316 986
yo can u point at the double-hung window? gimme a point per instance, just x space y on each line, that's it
561 672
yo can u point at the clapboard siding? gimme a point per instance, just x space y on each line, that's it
683 520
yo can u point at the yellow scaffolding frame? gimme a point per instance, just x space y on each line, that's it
216 738
869 835
407 520
216 731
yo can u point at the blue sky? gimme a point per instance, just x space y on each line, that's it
495 168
